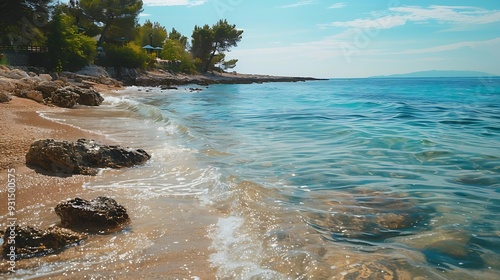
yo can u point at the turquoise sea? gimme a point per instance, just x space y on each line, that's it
337 179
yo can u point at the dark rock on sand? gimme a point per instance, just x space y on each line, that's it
32 242
4 97
81 157
48 88
65 97
88 97
101 213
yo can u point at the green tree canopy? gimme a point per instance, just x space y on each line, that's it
207 41
176 35
21 20
230 64
150 31
201 43
174 50
68 49
109 18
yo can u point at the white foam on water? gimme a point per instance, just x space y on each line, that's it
237 252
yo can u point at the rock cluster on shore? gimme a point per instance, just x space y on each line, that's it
163 78
81 217
68 84
99 215
63 92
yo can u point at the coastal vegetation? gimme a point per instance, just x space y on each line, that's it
67 48
107 33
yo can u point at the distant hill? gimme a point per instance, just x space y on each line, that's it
438 74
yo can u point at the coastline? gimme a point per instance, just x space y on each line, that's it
168 233
164 78
155 244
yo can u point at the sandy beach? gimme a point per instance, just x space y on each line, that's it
21 125
156 243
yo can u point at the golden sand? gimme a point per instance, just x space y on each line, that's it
167 237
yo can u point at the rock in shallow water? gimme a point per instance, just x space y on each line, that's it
101 213
370 219
21 242
81 157
455 253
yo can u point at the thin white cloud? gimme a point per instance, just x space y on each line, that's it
337 6
298 4
449 14
469 44
144 15
189 3
385 22
398 16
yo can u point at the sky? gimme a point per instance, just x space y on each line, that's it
341 39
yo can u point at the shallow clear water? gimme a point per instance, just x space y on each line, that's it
330 179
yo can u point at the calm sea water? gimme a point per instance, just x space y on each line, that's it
338 179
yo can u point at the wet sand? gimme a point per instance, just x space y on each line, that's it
167 236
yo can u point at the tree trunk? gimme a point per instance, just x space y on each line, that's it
205 70
104 30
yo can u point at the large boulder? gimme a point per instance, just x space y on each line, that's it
7 84
88 97
45 77
101 213
93 71
15 74
81 157
34 95
65 97
48 88
32 242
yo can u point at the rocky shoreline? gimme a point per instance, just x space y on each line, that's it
158 78
161 78
67 89
58 159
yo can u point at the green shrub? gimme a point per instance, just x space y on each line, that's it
3 59
173 50
129 56
68 49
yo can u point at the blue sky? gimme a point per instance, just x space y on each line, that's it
354 38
